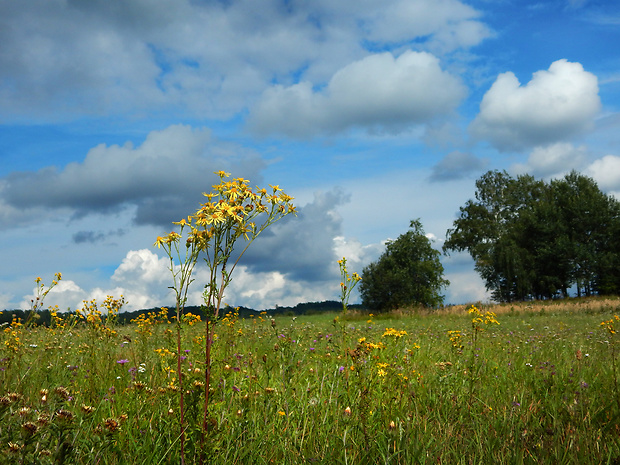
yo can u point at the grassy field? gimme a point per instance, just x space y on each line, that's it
539 387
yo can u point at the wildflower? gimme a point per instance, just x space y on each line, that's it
282 413
65 415
24 411
347 411
123 361
381 372
14 448
392 425
87 409
62 392
394 333
112 425
29 427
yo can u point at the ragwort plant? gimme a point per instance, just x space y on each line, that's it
610 327
479 320
233 212
347 284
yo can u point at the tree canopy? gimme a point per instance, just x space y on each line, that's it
408 273
534 240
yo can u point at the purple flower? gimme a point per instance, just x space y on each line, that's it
123 361
236 389
341 369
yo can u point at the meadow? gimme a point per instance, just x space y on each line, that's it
527 383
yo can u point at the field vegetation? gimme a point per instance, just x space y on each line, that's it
512 383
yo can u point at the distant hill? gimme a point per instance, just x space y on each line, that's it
43 317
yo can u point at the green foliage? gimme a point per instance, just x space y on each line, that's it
409 273
535 240
539 388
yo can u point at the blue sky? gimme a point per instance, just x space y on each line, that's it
115 114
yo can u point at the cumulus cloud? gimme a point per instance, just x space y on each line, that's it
555 105
64 59
606 172
448 24
301 247
66 295
552 160
456 165
380 91
144 278
161 177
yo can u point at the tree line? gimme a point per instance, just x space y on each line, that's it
530 239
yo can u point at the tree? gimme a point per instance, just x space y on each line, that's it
592 219
408 273
531 239
488 228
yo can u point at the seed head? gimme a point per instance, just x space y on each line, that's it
112 425
30 428
65 415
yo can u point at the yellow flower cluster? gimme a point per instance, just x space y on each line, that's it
97 319
368 346
456 339
13 335
609 324
56 320
232 206
163 352
479 318
191 319
232 317
347 284
146 321
391 332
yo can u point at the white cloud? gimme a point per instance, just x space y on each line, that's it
555 105
606 172
161 177
378 92
66 294
553 160
466 287
65 59
450 23
5 300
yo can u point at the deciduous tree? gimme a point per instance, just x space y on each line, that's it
408 273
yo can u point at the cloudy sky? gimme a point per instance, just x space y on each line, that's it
114 114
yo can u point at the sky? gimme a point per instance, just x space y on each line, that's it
115 114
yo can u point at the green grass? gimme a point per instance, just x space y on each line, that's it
538 388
